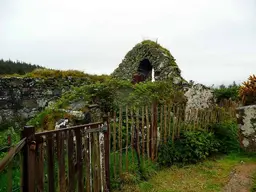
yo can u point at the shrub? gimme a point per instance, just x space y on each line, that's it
191 147
134 173
230 92
226 134
247 91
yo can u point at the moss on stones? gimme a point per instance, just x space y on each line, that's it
160 58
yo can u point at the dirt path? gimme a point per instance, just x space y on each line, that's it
241 178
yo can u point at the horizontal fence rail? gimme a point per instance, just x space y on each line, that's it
12 152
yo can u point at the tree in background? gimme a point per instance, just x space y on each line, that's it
9 67
227 92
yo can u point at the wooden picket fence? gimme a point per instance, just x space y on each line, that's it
87 157
70 159
135 133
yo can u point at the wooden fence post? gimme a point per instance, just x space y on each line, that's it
28 170
154 132
107 152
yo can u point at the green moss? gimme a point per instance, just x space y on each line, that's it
155 45
109 96
51 74
159 57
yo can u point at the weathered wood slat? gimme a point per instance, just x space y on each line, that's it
61 161
142 132
79 161
72 128
127 139
132 134
137 134
40 168
174 122
98 161
148 132
165 124
161 129
95 163
87 163
120 139
50 155
114 143
9 177
71 170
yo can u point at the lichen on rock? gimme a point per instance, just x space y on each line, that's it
199 97
247 124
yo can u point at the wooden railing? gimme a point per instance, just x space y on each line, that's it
8 163
70 159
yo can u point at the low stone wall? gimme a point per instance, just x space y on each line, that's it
198 97
22 98
246 117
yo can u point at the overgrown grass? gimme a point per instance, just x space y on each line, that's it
208 176
133 173
253 188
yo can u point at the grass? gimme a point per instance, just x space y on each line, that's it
253 188
208 176
133 173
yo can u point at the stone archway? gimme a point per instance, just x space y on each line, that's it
145 68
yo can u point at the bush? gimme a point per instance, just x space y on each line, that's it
247 92
226 134
230 92
191 147
134 173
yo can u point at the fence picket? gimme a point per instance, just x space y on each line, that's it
127 139
71 171
87 162
114 143
137 132
142 130
148 131
120 139
165 124
40 168
50 154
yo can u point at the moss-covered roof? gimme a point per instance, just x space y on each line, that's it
160 58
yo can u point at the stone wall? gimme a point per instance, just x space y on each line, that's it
161 60
247 127
22 98
199 97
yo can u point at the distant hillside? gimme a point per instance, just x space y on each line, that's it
9 67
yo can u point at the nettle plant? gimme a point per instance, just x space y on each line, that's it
247 91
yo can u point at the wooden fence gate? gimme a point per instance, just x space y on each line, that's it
70 159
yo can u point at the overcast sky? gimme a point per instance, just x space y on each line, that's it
213 41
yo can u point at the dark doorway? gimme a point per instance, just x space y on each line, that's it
145 68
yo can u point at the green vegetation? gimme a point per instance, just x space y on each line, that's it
156 45
4 148
208 176
226 134
110 95
191 147
227 92
134 173
247 91
44 73
19 68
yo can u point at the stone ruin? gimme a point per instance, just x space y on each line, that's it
23 98
145 58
